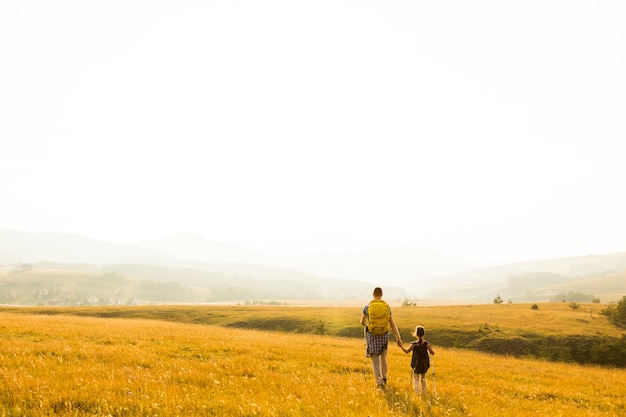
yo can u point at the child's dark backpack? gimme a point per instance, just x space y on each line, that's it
420 361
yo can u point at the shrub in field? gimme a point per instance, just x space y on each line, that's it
574 306
616 313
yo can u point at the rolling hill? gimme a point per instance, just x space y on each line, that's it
538 280
207 270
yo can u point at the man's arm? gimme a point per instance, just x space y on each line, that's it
363 319
395 331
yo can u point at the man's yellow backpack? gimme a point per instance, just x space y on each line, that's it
378 313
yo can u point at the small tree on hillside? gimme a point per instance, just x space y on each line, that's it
574 306
616 313
498 299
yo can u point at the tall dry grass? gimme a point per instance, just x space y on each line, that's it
550 319
79 366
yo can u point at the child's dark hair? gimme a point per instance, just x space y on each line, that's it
419 332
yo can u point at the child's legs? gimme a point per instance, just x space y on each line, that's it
416 382
423 382
419 383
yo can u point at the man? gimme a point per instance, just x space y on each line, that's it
377 317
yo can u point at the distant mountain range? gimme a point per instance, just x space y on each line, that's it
199 262
20 247
385 267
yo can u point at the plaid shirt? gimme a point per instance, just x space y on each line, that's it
377 343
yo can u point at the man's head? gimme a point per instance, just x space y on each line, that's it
378 293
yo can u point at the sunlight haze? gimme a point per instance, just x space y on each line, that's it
487 130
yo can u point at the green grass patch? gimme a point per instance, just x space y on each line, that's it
554 332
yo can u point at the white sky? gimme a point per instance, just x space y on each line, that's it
487 129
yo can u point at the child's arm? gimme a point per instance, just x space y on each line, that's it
430 349
406 350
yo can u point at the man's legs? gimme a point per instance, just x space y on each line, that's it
376 367
383 366
379 364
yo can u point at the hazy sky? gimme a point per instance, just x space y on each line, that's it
488 129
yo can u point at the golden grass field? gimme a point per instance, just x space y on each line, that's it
66 365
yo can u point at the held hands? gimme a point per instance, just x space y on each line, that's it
402 347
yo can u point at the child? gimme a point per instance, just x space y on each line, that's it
420 361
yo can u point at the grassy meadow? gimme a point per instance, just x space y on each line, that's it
222 361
